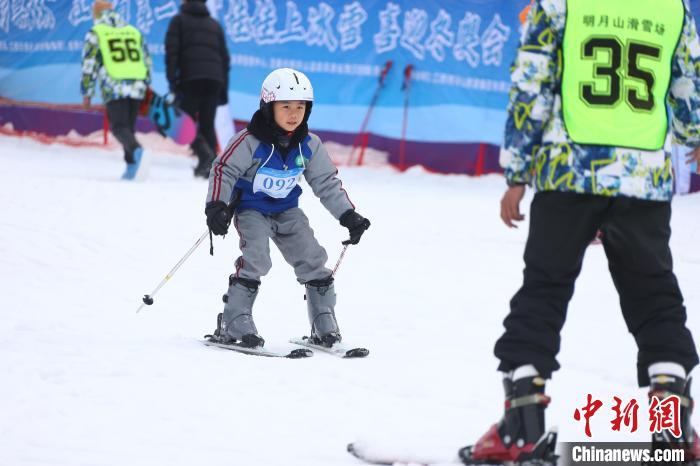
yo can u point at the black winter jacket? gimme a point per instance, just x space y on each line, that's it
195 47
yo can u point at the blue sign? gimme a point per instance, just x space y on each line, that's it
460 53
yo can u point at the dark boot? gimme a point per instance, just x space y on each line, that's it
520 436
205 156
663 386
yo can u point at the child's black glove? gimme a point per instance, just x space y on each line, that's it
356 224
218 217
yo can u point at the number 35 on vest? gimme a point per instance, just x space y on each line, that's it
617 58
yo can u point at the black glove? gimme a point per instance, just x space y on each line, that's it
218 217
356 224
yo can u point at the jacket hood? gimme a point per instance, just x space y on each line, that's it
266 130
111 18
195 8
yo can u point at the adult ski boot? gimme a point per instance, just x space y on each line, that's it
519 438
235 325
662 386
320 301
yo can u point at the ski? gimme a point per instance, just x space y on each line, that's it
366 455
338 349
542 455
261 351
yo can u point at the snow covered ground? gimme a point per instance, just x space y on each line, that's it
84 380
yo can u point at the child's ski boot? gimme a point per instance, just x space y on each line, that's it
235 325
320 300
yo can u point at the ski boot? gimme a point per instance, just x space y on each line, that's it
235 325
138 168
519 438
320 300
663 386
205 157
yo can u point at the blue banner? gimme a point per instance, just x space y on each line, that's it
460 53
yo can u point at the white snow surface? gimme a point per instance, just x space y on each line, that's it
85 380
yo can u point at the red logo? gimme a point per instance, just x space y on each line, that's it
663 414
588 411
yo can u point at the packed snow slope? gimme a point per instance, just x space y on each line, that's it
85 380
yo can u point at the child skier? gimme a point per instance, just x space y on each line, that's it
260 170
116 55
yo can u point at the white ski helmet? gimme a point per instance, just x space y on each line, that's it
286 84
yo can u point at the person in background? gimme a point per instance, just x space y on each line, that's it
197 66
115 55
600 90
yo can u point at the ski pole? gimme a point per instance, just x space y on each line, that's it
361 137
340 259
406 87
148 299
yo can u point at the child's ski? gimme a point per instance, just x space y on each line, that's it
261 351
338 348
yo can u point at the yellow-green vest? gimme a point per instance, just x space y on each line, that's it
617 57
121 50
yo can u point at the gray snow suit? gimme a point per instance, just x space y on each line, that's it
266 179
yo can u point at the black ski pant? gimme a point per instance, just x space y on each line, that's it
200 97
636 237
122 115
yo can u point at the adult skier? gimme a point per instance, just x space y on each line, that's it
116 55
259 172
197 66
588 127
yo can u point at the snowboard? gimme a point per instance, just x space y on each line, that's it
169 120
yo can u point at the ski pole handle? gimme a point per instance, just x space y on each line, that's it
148 299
